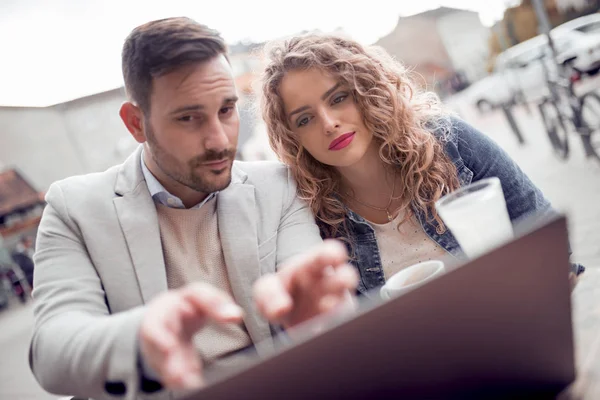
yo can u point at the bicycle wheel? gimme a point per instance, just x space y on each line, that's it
555 129
590 121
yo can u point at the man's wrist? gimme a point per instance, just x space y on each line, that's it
149 379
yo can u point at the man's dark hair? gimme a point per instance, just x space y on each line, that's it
159 47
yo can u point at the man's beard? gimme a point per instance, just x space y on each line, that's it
187 174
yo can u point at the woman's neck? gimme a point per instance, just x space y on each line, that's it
368 179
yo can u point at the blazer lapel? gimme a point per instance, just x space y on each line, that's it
137 215
238 233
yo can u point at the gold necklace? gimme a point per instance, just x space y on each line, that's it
386 209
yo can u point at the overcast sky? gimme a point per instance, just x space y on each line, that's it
57 50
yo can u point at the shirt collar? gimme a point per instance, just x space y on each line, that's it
161 195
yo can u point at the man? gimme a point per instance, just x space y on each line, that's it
5 266
231 241
23 257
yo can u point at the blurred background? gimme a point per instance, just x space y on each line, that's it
490 61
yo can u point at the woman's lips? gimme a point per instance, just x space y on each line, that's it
342 141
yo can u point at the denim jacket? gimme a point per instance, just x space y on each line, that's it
476 157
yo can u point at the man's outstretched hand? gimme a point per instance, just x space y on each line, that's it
169 325
308 285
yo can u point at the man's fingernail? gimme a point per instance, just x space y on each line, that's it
277 306
230 311
192 381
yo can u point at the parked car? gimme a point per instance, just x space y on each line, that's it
586 50
518 72
586 24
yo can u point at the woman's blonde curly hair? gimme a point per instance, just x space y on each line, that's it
400 117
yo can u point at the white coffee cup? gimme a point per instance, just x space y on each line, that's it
411 277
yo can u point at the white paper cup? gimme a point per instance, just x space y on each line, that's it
411 277
477 216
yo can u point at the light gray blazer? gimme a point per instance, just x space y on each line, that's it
99 260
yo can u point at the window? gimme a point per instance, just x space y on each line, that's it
527 56
592 27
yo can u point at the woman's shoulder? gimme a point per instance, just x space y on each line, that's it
449 128
456 136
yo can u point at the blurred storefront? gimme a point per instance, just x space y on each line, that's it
21 206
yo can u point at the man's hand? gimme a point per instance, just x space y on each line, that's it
169 324
308 285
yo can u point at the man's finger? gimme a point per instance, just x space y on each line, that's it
212 303
329 302
182 370
271 297
330 253
340 280
160 332
158 340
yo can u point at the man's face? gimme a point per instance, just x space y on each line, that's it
193 124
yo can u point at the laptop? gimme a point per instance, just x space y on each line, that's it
498 326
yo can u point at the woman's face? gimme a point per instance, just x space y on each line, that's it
322 112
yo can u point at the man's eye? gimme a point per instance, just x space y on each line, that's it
226 110
185 118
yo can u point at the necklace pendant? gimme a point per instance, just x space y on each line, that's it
390 218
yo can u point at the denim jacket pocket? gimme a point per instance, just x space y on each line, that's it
465 175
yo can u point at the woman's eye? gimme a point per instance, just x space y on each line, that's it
303 121
225 110
339 99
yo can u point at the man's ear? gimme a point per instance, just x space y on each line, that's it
132 118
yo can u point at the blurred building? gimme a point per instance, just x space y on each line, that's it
76 137
86 134
520 22
247 62
440 45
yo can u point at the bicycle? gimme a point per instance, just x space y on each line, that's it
563 108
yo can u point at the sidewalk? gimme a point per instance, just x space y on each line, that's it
572 186
16 381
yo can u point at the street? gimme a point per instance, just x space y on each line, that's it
16 382
572 187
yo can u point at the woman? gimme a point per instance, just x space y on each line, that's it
372 154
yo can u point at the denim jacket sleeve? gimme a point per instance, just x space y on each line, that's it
487 159
484 158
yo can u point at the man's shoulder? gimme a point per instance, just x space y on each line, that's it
88 184
272 181
263 172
